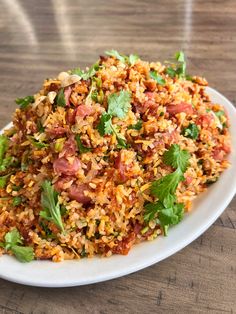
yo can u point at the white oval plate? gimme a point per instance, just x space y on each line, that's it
207 208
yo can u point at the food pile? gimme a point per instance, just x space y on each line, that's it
102 159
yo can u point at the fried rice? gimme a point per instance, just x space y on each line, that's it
101 171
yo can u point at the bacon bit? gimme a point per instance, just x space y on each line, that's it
69 148
84 110
63 166
59 185
151 85
70 116
173 109
125 245
188 180
76 192
67 93
57 131
205 120
220 153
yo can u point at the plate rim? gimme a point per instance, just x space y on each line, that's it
133 268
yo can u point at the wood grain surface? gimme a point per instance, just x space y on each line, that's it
38 38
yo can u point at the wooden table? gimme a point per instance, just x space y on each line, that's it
40 38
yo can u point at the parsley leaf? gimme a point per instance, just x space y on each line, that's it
50 204
157 77
176 157
119 104
82 149
60 98
137 126
191 131
24 102
13 242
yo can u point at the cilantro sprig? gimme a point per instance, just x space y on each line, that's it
5 161
50 204
13 242
166 211
88 74
118 106
157 77
179 67
131 59
24 102
191 131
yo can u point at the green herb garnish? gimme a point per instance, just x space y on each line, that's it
179 68
118 106
36 143
82 149
191 131
167 210
157 77
137 126
24 102
86 75
17 200
50 204
60 98
5 162
3 181
131 59
13 242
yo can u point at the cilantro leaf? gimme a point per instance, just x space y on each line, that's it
36 143
166 185
191 131
86 75
3 181
16 200
77 71
13 242
178 69
176 157
115 54
105 124
24 102
137 126
60 98
24 254
219 113
151 209
157 77
133 59
119 104
82 149
3 146
50 204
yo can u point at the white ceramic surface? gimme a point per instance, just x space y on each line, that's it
207 208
